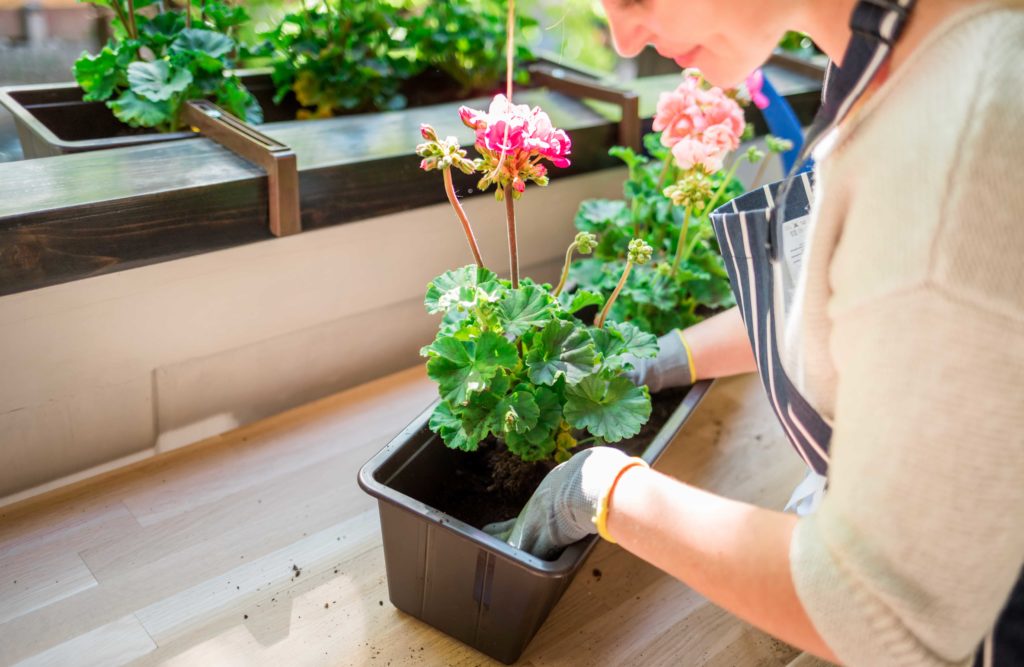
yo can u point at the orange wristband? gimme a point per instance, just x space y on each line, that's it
604 503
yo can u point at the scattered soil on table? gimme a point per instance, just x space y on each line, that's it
492 484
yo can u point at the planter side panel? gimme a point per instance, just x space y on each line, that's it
467 592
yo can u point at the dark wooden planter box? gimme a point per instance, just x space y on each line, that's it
455 577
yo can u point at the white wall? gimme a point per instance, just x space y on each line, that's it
160 356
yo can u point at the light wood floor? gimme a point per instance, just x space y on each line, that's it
258 548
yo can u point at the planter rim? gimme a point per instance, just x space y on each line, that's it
17 109
573 555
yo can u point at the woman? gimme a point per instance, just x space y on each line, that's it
895 363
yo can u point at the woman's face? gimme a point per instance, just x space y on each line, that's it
725 39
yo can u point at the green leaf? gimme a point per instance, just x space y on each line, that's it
579 300
97 75
610 409
160 30
563 349
463 367
223 16
517 413
139 112
157 81
237 99
211 43
596 215
455 432
617 340
539 442
526 308
460 289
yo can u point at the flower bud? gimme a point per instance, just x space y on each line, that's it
639 251
754 155
428 132
777 144
585 242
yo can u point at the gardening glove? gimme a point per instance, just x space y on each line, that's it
566 506
673 367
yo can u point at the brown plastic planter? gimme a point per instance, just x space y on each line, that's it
455 577
52 119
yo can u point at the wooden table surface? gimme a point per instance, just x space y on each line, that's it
258 548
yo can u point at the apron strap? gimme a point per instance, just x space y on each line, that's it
875 26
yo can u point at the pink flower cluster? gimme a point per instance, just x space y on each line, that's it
701 125
530 138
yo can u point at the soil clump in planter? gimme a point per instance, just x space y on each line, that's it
492 484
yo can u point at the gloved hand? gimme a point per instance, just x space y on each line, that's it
671 368
563 508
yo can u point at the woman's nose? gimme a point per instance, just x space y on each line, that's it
628 35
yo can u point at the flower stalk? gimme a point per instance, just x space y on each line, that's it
585 242
443 154
449 189
639 253
682 242
513 249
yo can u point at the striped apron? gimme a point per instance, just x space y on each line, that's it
752 232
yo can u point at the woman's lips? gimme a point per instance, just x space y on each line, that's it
686 59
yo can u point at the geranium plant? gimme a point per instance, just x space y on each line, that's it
510 359
157 61
361 55
669 194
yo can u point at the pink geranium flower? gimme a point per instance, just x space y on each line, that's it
706 121
512 139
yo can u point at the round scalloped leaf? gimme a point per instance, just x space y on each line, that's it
138 111
213 44
596 215
579 300
97 75
463 367
157 81
610 409
459 287
618 340
524 309
517 413
453 430
563 349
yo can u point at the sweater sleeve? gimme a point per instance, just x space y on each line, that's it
914 550
917 544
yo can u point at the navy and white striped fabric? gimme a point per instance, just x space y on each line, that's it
749 231
742 230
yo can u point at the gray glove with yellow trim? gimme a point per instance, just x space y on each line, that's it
567 505
673 367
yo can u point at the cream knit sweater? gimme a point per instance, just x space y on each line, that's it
908 333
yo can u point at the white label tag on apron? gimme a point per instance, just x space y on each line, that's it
794 240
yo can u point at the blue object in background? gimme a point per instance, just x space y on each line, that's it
783 123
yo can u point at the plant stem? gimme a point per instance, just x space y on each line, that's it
725 182
760 173
691 245
132 29
682 241
119 10
513 250
188 13
565 269
664 171
634 212
449 188
599 323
